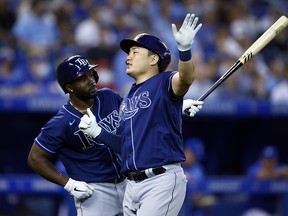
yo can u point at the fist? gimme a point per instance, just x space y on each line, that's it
191 107
79 189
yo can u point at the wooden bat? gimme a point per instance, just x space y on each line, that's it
256 47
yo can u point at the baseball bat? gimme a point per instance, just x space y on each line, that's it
256 47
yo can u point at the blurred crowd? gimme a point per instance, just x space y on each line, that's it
36 34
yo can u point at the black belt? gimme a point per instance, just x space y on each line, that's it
141 175
115 181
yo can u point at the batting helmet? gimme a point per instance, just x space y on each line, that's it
196 145
269 152
72 68
152 43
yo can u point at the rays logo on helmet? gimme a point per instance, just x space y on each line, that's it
72 68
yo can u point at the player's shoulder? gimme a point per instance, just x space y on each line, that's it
167 74
164 77
59 116
57 123
106 90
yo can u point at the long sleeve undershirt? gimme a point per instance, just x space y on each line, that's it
110 140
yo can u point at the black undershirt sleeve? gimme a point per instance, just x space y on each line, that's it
110 140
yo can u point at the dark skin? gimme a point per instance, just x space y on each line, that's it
269 170
81 93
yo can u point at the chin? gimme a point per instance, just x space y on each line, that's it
129 74
93 93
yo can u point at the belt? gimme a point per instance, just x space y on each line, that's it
115 181
142 175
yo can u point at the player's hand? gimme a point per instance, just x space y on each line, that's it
88 124
79 189
186 34
191 107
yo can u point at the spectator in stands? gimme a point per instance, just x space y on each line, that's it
7 60
279 91
20 79
66 23
87 32
267 168
36 27
7 20
11 73
276 72
196 203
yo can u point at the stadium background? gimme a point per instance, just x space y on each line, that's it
246 113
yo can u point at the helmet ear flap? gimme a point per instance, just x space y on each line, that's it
96 77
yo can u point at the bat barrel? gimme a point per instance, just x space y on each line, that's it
257 46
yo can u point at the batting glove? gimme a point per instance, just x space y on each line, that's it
79 189
88 124
191 107
186 34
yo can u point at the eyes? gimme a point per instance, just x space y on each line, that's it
134 50
86 76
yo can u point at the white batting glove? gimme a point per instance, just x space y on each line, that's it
191 107
186 34
79 189
88 124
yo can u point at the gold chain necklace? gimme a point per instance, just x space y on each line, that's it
81 111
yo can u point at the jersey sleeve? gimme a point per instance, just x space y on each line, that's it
171 93
110 140
50 137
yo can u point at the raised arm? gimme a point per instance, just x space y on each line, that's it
184 37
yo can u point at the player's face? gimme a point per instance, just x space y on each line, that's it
269 163
85 86
138 62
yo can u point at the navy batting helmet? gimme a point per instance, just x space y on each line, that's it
152 43
269 152
72 68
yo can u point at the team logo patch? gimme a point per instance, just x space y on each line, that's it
130 106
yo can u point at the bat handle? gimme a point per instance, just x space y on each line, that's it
228 73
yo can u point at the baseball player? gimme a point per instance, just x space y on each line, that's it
152 148
93 169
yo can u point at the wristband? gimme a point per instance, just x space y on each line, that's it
185 55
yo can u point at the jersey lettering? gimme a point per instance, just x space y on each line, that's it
111 122
86 140
130 106
80 61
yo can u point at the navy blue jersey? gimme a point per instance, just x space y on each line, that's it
152 126
84 158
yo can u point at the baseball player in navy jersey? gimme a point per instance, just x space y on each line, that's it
152 145
93 168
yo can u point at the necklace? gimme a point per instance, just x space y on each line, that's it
81 111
